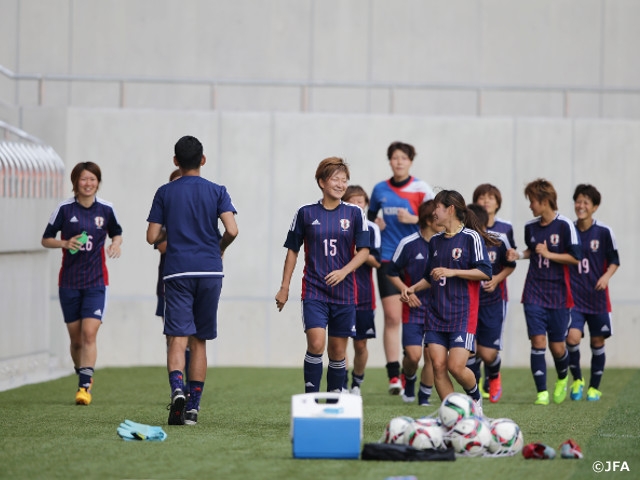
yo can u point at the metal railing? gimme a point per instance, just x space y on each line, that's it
306 86
28 167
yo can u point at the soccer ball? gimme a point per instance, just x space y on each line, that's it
455 407
424 437
506 437
395 430
470 436
427 422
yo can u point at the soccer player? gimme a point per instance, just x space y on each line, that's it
365 309
490 197
590 289
332 232
458 261
552 246
407 267
492 310
398 198
189 209
162 248
83 279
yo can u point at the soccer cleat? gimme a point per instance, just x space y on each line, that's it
355 390
483 393
83 396
539 451
570 449
495 389
423 400
395 386
176 409
593 394
191 417
560 390
577 387
542 398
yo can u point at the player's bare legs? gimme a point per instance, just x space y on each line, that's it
361 356
441 379
392 307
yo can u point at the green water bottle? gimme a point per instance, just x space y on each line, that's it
82 239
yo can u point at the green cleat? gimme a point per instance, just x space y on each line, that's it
542 399
593 395
577 387
483 393
560 391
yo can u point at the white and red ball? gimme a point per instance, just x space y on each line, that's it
470 436
455 407
506 437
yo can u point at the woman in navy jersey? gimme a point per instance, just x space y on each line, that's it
552 246
336 243
397 199
590 290
458 262
83 276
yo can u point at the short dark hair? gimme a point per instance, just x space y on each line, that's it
487 189
425 213
588 191
188 152
404 147
481 213
329 166
355 191
81 167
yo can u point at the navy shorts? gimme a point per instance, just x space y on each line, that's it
79 303
365 325
553 322
412 334
339 320
385 287
599 323
191 307
490 323
451 340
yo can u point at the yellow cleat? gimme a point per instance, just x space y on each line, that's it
560 390
593 394
542 399
83 396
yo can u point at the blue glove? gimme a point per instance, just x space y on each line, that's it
132 431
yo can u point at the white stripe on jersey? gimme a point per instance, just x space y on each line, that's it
613 237
377 237
401 245
572 228
477 242
502 237
53 216
194 274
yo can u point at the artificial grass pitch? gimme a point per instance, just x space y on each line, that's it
244 425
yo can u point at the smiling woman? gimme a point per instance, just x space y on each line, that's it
329 229
84 221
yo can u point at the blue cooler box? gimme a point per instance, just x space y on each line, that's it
326 430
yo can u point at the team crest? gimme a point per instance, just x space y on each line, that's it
345 224
594 244
456 253
99 221
492 256
554 239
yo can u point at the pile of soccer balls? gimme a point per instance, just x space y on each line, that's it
457 424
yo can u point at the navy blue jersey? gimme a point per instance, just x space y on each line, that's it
189 208
330 239
454 302
364 273
599 250
389 199
547 283
498 258
87 268
409 264
504 227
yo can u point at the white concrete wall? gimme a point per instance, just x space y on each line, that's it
268 161
261 146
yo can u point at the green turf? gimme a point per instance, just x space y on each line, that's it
243 429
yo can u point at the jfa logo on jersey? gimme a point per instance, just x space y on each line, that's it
345 224
99 221
492 257
554 239
594 244
456 253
